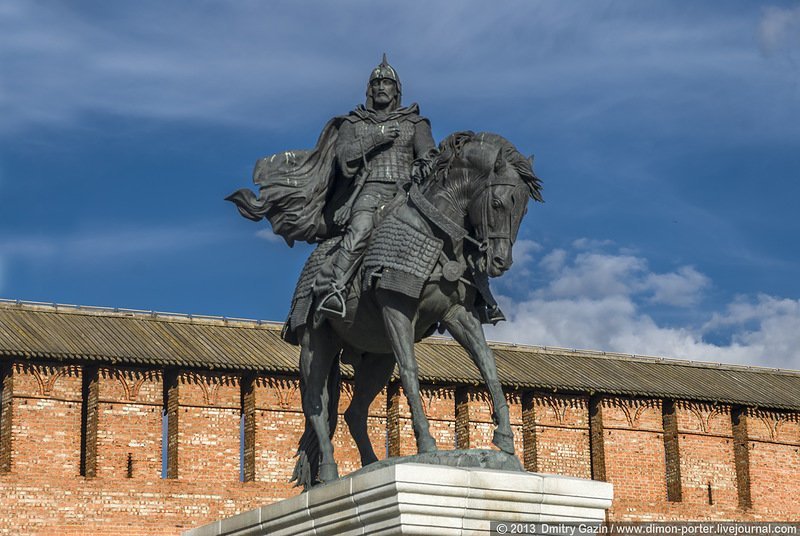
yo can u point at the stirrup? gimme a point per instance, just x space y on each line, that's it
495 315
338 292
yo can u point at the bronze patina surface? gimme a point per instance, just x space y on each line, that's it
433 223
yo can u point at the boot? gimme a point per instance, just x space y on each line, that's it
333 302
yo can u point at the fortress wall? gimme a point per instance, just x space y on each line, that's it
480 418
561 425
705 443
774 458
279 424
128 421
633 445
58 421
208 427
46 420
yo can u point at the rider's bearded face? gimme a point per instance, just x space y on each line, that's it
384 92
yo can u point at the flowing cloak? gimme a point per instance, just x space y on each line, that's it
298 190
294 190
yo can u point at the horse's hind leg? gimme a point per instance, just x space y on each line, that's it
466 329
317 352
397 314
372 373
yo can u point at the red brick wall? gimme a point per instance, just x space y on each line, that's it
440 408
209 412
43 492
705 441
562 434
46 413
129 423
279 425
634 455
775 463
480 427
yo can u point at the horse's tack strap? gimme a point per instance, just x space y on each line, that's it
455 231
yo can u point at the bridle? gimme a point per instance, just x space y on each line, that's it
487 232
455 231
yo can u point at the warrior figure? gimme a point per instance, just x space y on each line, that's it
376 146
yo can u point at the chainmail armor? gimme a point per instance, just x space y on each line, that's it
404 256
392 163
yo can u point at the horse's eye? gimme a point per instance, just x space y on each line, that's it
496 203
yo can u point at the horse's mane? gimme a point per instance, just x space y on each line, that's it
435 167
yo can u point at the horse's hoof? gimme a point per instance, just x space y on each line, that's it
504 441
328 472
368 461
427 445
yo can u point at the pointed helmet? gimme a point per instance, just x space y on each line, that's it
384 70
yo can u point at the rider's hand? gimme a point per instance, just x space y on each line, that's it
392 130
387 132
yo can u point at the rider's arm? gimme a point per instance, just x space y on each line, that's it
423 138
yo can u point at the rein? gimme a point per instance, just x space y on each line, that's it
453 230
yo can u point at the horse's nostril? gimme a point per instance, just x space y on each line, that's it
499 261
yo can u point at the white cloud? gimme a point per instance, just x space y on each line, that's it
553 261
596 301
682 288
596 275
267 65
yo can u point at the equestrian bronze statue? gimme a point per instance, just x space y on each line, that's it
447 224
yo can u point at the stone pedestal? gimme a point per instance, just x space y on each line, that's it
413 498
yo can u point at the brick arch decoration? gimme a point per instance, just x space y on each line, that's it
634 408
284 389
46 382
774 422
704 414
131 381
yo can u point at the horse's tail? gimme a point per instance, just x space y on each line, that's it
306 469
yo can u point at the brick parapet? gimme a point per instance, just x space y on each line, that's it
46 419
278 425
562 434
208 436
705 437
633 447
129 419
204 443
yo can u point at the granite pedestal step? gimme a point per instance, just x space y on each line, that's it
413 498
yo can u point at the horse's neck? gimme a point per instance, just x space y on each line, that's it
450 201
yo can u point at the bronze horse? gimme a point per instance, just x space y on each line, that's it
427 267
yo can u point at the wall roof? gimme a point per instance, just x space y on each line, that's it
89 334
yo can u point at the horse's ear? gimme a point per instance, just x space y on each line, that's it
499 162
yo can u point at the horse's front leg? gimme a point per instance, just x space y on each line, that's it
398 312
317 352
466 329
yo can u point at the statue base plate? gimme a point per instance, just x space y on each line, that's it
415 498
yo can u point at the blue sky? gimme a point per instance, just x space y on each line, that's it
667 135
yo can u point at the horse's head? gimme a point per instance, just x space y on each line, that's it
504 182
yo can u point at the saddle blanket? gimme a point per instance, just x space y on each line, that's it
401 257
